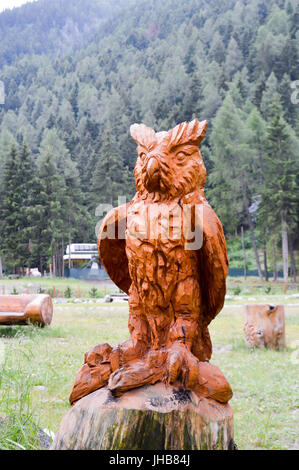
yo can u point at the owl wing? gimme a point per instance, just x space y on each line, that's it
112 247
212 265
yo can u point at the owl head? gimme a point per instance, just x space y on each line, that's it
169 164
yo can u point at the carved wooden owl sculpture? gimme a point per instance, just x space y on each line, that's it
167 250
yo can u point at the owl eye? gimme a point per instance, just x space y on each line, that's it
142 155
181 156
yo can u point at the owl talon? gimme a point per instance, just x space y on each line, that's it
134 376
182 364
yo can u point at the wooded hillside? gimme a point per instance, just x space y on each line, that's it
78 73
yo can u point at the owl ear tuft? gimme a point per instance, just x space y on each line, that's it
188 132
143 135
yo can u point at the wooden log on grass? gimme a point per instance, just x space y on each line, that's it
153 417
24 309
264 326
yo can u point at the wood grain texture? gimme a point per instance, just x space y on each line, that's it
112 247
155 417
24 309
264 326
167 250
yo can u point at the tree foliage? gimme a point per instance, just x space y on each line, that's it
78 73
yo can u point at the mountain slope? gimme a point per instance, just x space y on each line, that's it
157 62
56 26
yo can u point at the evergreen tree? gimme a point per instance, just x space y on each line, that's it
232 174
194 99
234 58
182 66
6 142
270 94
256 140
9 211
280 195
26 176
110 175
50 212
16 207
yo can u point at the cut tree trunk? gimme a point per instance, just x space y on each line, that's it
256 253
24 309
244 252
154 417
285 250
54 266
251 228
264 326
265 263
293 262
275 272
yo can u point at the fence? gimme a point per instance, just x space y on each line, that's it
86 274
239 272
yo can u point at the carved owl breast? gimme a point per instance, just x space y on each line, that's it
155 245
156 223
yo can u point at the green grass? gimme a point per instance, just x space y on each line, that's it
65 287
265 383
249 290
40 364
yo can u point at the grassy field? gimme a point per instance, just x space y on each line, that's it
47 285
38 368
251 289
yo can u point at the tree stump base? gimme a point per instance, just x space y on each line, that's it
264 326
154 417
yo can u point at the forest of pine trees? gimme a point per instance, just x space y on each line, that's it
76 78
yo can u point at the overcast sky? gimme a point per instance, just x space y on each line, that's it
12 3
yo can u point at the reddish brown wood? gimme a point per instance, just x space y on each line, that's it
151 250
264 326
24 309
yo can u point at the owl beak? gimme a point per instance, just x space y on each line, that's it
153 173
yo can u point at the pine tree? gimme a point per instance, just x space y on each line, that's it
108 180
74 100
9 211
189 63
16 207
269 95
6 142
231 177
291 112
50 211
234 58
280 197
194 99
256 140
26 177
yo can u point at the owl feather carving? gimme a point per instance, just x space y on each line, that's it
167 250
